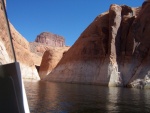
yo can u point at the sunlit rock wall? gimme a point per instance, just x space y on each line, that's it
21 46
113 50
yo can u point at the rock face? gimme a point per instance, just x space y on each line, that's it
24 56
50 39
50 59
21 46
38 50
114 50
46 57
46 64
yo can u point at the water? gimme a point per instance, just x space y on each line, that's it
49 97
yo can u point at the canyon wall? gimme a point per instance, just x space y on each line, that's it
113 50
21 46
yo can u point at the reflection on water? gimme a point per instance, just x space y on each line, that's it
49 97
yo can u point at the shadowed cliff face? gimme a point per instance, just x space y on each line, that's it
113 50
139 69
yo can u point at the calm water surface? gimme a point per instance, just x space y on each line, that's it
49 97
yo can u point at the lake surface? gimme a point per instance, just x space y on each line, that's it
50 97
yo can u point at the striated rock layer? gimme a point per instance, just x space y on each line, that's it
21 46
50 39
114 50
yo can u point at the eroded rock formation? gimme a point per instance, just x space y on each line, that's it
50 59
38 50
50 39
46 56
113 50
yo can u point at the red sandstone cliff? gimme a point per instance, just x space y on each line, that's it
113 50
38 50
47 41
21 46
30 54
46 57
50 39
50 59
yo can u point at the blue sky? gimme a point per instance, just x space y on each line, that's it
67 18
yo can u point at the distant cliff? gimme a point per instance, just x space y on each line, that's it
50 39
47 41
114 50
